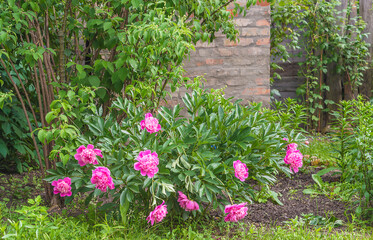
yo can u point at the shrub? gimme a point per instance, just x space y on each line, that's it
194 155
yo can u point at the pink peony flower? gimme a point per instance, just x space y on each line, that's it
187 204
87 155
235 212
101 177
157 214
147 163
294 158
62 186
150 123
285 139
292 147
240 170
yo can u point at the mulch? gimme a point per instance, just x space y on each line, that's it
295 203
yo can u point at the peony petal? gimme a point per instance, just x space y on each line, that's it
90 146
137 166
67 180
80 149
98 152
77 156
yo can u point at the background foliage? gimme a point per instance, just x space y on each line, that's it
330 39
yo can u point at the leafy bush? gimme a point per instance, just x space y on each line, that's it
196 154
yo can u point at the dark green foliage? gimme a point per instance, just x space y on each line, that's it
16 148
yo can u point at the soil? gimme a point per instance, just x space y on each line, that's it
15 189
295 203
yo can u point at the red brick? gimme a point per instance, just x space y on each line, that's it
224 52
245 41
262 22
249 32
262 3
200 64
264 31
261 81
229 43
242 22
263 41
256 91
214 61
257 51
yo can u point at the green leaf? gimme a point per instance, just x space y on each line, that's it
133 63
3 148
310 191
49 117
42 134
101 92
318 180
94 81
107 25
221 114
326 170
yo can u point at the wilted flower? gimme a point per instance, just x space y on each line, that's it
147 163
235 212
150 123
240 170
87 155
101 177
187 204
157 214
62 187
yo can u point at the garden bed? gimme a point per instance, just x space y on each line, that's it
295 202
15 189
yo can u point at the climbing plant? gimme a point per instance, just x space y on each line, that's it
329 38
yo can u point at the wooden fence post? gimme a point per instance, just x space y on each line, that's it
366 12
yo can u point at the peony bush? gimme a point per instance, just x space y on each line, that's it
188 165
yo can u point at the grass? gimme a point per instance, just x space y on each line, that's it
31 221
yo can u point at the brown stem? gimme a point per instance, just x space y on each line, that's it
320 100
26 115
61 38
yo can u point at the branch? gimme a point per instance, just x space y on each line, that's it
26 115
217 10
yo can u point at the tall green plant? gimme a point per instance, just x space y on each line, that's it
352 132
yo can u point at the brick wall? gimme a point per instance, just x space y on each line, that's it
241 66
